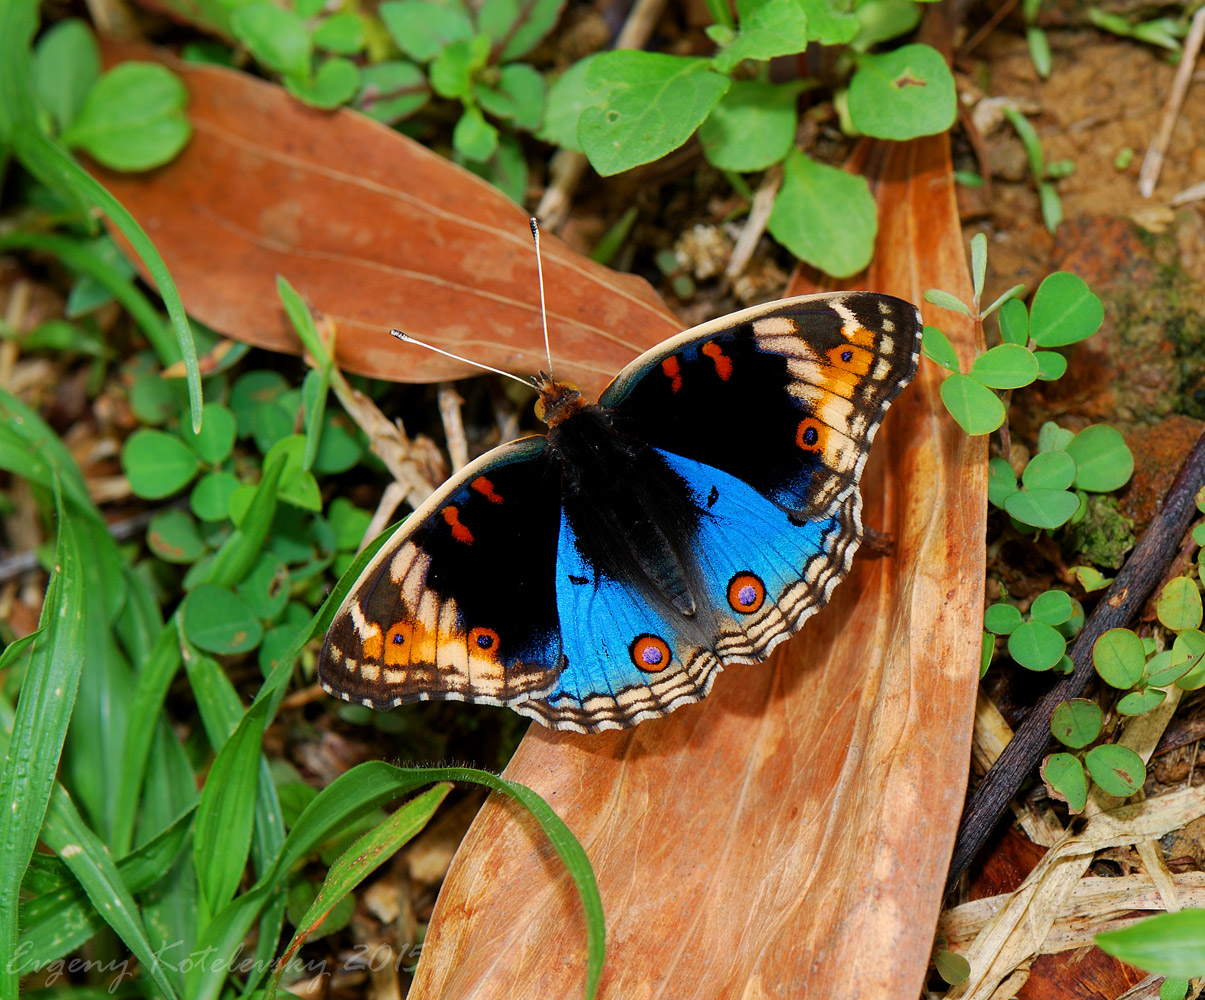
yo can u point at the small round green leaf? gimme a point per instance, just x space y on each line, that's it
1119 658
1064 779
1036 646
277 37
1102 460
1140 702
952 967
474 137
342 33
66 64
1064 311
216 438
1002 619
1052 437
423 30
752 127
1047 509
977 409
1171 944
1069 629
1117 769
824 216
1189 648
1076 723
1001 483
172 535
1053 607
252 390
937 347
1005 366
1049 470
902 94
1179 604
1014 323
154 399
210 498
1052 366
218 621
157 464
392 90
133 119
1090 578
336 82
265 590
986 651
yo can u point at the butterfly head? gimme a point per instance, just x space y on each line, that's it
558 400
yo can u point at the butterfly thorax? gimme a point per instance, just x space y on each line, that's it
558 400
631 515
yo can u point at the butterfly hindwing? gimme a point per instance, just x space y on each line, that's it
460 603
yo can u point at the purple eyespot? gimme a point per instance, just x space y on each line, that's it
651 655
747 594
398 638
847 356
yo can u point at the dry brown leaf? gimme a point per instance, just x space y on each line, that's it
788 836
376 231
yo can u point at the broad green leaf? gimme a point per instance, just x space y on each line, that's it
1071 627
218 621
568 97
1103 461
276 37
973 405
1001 483
1179 604
1064 778
518 95
133 119
1090 578
1189 648
474 137
451 73
335 83
752 127
172 535
1064 311
1140 702
947 300
422 29
1076 723
1049 470
952 967
826 217
342 33
654 103
1036 646
157 464
1005 366
902 94
215 441
392 90
767 28
1001 619
881 21
1014 323
519 26
1119 658
1117 769
937 348
210 498
1171 944
1051 365
66 64
1052 607
1048 509
1052 437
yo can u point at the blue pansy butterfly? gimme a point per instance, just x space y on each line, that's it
695 516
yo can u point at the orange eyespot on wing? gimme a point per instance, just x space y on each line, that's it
849 358
723 363
650 653
484 641
398 641
811 434
746 593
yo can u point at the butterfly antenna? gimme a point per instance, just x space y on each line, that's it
407 339
535 235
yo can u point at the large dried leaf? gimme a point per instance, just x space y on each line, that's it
790 835
376 231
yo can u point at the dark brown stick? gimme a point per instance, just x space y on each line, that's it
1143 569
